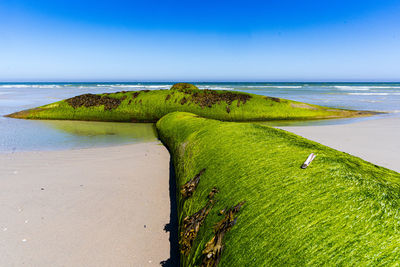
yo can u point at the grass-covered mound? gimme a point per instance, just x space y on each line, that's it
341 210
149 106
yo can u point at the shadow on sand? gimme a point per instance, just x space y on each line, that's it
172 226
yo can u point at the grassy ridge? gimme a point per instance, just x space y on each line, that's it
339 211
149 106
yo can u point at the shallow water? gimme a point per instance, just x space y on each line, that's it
22 135
28 135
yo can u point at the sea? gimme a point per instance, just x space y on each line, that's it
27 135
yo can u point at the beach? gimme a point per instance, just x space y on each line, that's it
86 207
108 206
80 193
376 140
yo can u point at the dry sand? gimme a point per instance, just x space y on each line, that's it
376 141
88 207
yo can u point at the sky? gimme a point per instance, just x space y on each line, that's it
149 40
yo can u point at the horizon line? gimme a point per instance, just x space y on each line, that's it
202 81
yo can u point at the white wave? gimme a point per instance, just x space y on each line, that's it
136 86
120 85
30 86
215 87
385 87
14 86
372 101
363 88
87 87
275 86
373 93
352 88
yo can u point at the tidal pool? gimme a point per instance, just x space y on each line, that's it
26 135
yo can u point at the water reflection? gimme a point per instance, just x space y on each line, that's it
23 135
142 131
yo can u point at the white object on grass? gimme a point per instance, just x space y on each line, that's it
310 158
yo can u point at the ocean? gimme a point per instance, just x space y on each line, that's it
23 135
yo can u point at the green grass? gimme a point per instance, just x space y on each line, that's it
339 211
149 106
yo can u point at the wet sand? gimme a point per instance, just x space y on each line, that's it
87 207
376 140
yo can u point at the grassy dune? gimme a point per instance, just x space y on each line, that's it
149 106
339 211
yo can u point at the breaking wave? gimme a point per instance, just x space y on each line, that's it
373 93
363 88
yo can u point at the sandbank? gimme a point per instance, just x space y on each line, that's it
87 207
375 140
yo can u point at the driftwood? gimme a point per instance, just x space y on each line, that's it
308 161
187 189
213 249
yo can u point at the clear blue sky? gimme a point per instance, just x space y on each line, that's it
50 40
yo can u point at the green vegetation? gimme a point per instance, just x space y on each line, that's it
149 106
241 183
341 210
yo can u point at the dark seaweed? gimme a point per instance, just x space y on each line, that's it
90 100
213 249
208 98
188 189
191 226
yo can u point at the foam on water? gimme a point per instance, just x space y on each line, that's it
270 87
213 87
373 93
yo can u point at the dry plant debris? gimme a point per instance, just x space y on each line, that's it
213 249
191 226
91 100
187 189
208 98
214 190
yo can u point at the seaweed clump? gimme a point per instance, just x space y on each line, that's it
191 226
187 189
184 88
183 101
91 100
213 249
275 99
214 190
208 98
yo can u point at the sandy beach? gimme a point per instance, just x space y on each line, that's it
376 140
88 207
109 206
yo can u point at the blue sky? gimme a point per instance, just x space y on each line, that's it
199 40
